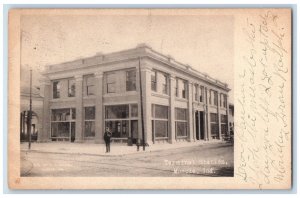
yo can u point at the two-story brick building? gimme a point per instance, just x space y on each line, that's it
84 96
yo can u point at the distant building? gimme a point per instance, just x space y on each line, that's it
231 119
37 113
83 97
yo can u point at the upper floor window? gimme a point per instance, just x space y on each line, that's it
196 92
209 97
215 98
225 101
56 89
165 84
181 88
71 88
153 80
131 80
184 90
111 83
201 93
176 88
90 85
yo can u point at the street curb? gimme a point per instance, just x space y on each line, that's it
120 155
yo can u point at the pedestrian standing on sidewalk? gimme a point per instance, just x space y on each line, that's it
107 136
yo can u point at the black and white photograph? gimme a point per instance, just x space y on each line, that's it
127 96
148 93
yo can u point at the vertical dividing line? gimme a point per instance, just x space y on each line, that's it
30 110
141 98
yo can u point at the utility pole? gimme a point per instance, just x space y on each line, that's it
30 112
142 113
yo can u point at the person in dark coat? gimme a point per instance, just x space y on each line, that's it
107 136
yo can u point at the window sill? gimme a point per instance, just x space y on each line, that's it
161 138
63 99
181 137
213 106
89 97
63 121
181 99
199 103
160 95
128 93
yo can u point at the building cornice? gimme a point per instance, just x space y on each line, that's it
136 53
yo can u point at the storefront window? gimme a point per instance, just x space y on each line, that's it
161 128
213 117
118 128
180 114
134 110
60 129
223 124
160 115
60 115
62 123
89 130
117 111
181 122
117 119
159 111
223 118
89 122
181 129
214 125
89 113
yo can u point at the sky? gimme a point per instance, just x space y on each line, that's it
205 42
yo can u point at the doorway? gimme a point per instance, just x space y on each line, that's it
199 119
134 131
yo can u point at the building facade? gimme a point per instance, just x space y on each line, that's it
129 91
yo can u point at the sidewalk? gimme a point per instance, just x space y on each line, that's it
117 149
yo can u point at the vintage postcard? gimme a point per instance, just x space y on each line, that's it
150 99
